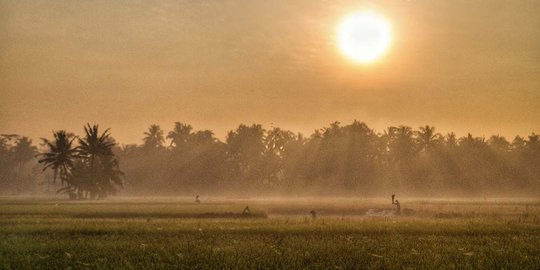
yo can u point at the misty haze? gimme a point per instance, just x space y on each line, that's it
269 134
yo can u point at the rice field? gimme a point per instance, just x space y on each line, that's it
278 233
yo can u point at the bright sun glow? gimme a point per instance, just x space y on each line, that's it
364 36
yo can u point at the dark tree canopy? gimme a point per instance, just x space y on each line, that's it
90 169
335 160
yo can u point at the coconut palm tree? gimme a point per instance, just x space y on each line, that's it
94 145
401 144
89 169
450 140
24 150
153 137
96 152
180 134
16 152
245 148
427 138
499 143
59 156
109 176
202 137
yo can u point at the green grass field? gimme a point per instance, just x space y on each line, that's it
149 233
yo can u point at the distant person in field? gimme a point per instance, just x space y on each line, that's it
246 211
397 204
197 199
313 214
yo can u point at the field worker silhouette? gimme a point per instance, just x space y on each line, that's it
397 204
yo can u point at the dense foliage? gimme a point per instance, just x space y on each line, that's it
336 160
90 170
18 169
339 159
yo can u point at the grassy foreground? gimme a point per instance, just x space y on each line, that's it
165 233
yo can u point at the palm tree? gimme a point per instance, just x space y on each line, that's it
94 145
518 144
427 138
24 150
202 137
499 143
96 152
154 137
245 148
59 155
180 134
110 176
451 140
79 180
401 143
15 153
472 142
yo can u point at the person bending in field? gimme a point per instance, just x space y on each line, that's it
246 211
197 199
397 204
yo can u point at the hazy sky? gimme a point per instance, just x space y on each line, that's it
461 65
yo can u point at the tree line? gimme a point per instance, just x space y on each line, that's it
86 166
334 160
338 159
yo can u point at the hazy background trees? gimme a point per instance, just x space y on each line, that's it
18 167
339 159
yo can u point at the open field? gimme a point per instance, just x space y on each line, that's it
178 233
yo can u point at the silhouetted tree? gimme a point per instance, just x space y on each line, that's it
17 172
450 140
153 137
245 151
278 144
179 135
95 145
341 159
427 138
202 137
401 144
102 168
24 150
91 169
499 143
59 156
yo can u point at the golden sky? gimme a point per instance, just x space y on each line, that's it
461 65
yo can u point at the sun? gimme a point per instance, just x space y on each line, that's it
364 36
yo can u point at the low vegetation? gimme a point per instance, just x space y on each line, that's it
175 233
